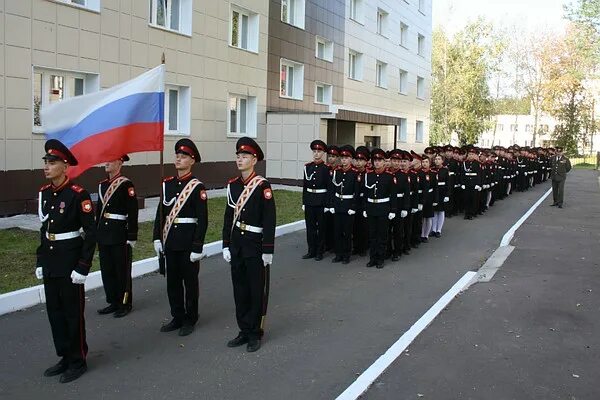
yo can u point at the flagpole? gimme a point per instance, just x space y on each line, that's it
162 174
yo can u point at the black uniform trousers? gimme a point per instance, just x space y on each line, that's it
471 199
65 304
182 286
361 233
115 266
315 229
378 233
329 232
343 234
407 227
417 226
397 234
250 280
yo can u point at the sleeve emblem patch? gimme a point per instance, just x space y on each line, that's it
203 195
268 194
86 206
131 191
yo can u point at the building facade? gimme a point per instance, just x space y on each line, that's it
281 71
518 129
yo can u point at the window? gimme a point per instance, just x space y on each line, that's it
514 128
324 49
420 87
291 80
175 15
382 19
419 132
355 65
422 6
177 110
372 141
323 93
500 127
90 4
241 116
356 11
293 12
421 45
244 29
526 143
403 131
403 35
381 74
51 86
403 85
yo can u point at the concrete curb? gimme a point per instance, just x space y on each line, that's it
31 296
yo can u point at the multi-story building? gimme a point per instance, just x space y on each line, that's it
518 129
281 71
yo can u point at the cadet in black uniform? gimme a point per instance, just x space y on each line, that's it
333 161
361 227
380 206
397 225
64 259
345 196
180 234
248 243
117 219
411 178
471 183
443 189
430 194
314 200
418 190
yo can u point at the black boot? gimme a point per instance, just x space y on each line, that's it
73 373
253 345
108 310
238 341
171 326
57 368
122 311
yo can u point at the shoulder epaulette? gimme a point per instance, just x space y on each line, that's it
46 186
168 178
235 178
77 188
308 163
105 180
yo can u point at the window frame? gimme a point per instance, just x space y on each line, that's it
327 93
420 88
297 79
381 74
420 44
403 130
327 48
403 83
382 22
185 17
358 73
184 100
250 112
298 18
404 35
91 84
253 34
356 13
421 125
89 5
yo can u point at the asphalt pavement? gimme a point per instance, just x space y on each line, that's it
326 324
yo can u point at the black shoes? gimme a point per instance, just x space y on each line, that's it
186 329
379 265
122 311
346 261
171 326
58 368
108 310
253 345
72 373
553 205
395 257
337 259
438 235
238 341
424 240
318 257
371 264
307 256
560 206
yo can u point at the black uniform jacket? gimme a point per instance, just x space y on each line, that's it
183 236
259 212
67 208
123 202
316 180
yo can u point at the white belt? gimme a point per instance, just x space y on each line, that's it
471 173
249 228
185 220
316 190
115 216
344 196
430 190
400 194
441 183
450 173
62 236
411 193
384 200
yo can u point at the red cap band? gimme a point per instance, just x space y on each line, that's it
188 150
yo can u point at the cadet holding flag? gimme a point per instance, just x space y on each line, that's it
248 243
180 236
64 258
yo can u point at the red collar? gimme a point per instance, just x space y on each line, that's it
115 177
252 175
381 171
185 177
62 185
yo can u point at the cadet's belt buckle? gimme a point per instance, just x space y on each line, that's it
243 226
107 215
51 237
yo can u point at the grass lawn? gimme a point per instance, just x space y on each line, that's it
584 166
17 252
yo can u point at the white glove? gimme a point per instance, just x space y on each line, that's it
365 214
303 207
131 243
478 188
158 247
39 273
486 186
196 256
403 214
446 199
391 216
77 278
435 204
332 210
413 210
226 254
267 259
462 186
351 212
420 207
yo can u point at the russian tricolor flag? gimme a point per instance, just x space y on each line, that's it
102 126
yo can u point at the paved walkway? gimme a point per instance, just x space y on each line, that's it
326 324
32 222
533 331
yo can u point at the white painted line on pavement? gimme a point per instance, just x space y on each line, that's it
511 232
369 376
